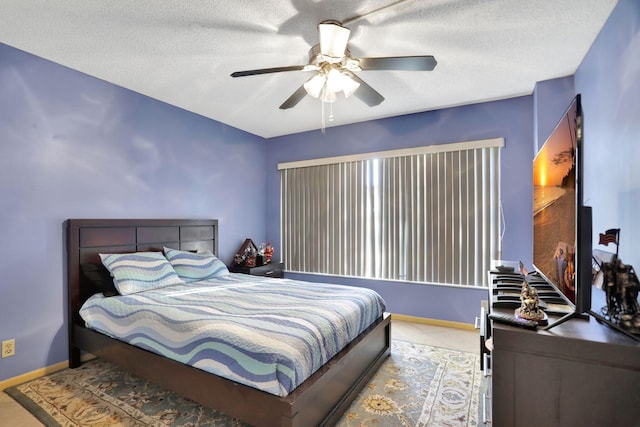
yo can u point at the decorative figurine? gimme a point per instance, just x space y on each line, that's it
621 287
238 259
268 252
530 305
247 254
250 256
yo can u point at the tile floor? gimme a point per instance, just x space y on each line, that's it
12 414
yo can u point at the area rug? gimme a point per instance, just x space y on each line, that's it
418 385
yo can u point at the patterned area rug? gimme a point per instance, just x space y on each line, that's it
418 385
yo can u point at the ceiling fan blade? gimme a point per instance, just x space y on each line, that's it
366 93
408 63
267 70
333 38
293 100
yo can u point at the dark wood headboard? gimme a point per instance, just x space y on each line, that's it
86 238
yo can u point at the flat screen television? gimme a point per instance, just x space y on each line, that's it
562 240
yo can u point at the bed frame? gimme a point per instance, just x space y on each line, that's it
320 400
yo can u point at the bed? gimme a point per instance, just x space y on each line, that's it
319 400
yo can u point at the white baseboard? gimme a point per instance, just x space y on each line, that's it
436 322
39 373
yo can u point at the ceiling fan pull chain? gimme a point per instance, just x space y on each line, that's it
322 126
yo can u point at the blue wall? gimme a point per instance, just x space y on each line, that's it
609 81
551 98
73 146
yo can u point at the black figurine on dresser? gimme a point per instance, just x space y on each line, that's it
621 286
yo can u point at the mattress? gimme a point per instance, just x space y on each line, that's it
270 334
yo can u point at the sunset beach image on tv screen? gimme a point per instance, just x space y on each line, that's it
554 206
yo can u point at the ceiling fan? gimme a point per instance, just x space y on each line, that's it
335 69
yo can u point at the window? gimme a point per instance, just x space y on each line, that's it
429 214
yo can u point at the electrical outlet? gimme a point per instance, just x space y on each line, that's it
8 348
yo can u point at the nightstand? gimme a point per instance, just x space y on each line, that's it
273 269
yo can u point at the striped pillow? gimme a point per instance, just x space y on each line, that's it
140 271
192 266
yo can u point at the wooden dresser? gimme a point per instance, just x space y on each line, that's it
578 373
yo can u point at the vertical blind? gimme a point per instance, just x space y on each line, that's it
421 215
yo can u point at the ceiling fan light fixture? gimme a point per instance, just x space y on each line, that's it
328 95
335 80
328 82
349 86
315 84
333 38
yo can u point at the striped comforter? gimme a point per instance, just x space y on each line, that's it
270 334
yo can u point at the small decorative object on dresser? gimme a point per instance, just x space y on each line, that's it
530 305
620 283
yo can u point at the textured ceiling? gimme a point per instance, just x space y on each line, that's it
183 52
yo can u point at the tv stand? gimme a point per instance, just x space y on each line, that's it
583 372
574 315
